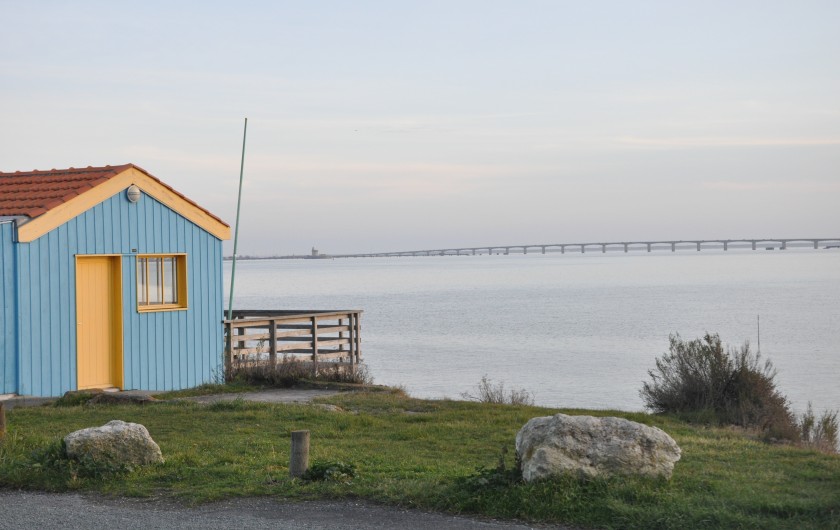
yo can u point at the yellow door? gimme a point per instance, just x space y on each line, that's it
98 322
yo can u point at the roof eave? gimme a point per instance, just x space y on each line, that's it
129 174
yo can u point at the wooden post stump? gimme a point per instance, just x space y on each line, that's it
299 462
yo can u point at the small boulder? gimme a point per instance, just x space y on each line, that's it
116 442
592 447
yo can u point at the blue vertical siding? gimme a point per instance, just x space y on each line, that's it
8 310
164 350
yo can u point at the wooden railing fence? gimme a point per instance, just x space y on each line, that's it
258 337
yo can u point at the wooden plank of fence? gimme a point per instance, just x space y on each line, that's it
326 343
308 327
250 323
318 335
324 330
303 346
256 336
293 313
295 333
325 355
239 353
298 320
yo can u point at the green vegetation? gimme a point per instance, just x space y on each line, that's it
700 378
438 455
240 387
288 372
486 391
234 387
53 460
700 382
330 470
819 433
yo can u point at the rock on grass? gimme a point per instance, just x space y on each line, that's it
594 447
116 442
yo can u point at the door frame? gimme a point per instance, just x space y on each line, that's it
117 353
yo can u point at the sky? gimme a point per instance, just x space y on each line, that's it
401 125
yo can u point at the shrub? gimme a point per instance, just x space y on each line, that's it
699 379
819 434
499 478
329 470
489 392
53 458
287 372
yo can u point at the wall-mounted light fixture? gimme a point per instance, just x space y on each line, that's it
133 193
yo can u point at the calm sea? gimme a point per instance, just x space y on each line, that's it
575 330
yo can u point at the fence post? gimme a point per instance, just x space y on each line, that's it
340 336
350 320
314 346
272 352
358 338
2 420
299 461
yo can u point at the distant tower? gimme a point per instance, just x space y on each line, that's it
314 252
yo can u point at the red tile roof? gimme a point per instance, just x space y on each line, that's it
33 193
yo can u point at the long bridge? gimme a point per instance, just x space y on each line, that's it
627 246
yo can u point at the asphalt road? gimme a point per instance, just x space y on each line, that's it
23 510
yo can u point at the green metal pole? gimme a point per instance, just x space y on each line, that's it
236 229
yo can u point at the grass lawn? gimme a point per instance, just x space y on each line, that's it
422 453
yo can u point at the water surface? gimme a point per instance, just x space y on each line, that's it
575 330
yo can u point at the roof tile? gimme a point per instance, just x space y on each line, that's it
34 193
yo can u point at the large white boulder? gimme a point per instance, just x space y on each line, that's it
116 442
590 447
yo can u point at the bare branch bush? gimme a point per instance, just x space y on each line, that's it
489 392
288 371
819 433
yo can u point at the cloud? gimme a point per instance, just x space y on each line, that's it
665 143
399 179
789 185
194 161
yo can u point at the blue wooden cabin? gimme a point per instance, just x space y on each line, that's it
109 278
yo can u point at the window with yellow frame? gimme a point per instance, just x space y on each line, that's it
161 282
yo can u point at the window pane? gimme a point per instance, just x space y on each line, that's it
176 264
141 281
155 290
170 282
158 282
